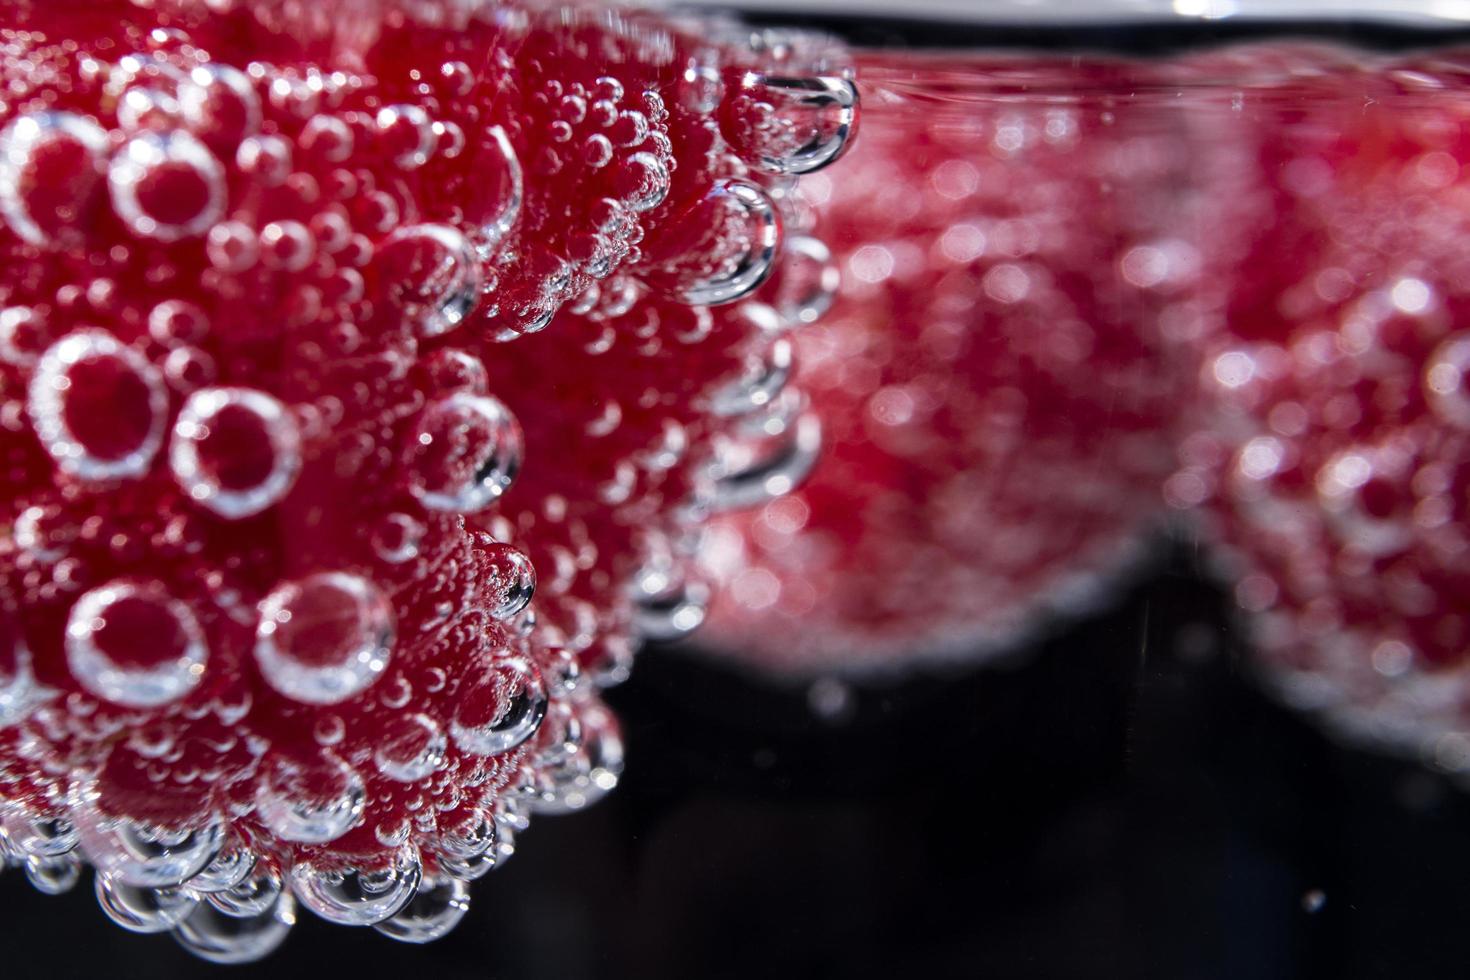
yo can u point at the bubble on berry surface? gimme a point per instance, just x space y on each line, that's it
324 638
19 690
503 183
143 910
668 605
309 801
407 134
24 336
512 579
750 236
1446 380
229 869
248 898
746 474
53 875
42 836
141 853
235 451
501 709
430 275
167 186
98 406
219 104
763 379
644 181
352 897
51 169
465 453
469 853
790 124
397 538
590 772
134 644
218 937
410 747
805 282
433 912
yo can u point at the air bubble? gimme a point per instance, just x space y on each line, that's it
40 836
409 748
144 910
465 453
133 644
746 477
229 869
397 538
667 605
235 451
469 854
1447 381
324 638
217 937
51 167
53 875
763 379
757 236
499 711
98 407
783 124
408 135
430 275
806 281
249 898
588 774
142 854
167 186
351 897
19 692
309 803
24 336
219 105
432 914
644 181
512 579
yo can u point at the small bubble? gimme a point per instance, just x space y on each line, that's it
324 638
500 710
352 897
433 913
407 133
790 124
219 105
397 538
309 803
135 645
167 186
465 453
410 747
51 166
235 451
430 275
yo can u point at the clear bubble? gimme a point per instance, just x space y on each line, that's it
586 775
24 336
645 182
764 378
98 406
785 124
513 579
309 803
753 232
666 604
219 104
432 914
51 166
53 875
807 280
469 854
324 638
40 836
167 186
133 644
1447 380
407 133
235 451
410 747
248 898
177 322
430 275
19 690
139 853
212 935
144 910
504 185
229 869
747 476
351 897
397 538
465 453
500 710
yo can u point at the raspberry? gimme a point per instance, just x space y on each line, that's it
281 465
997 376
1336 472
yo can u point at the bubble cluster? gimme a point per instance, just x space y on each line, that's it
313 564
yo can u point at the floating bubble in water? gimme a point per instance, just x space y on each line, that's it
806 280
98 406
144 910
167 186
465 453
503 184
324 638
513 579
309 802
753 230
410 747
51 168
213 935
748 476
407 133
53 875
432 914
219 105
248 898
430 275
235 451
786 124
500 710
133 644
351 897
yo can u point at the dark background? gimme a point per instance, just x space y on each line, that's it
1122 802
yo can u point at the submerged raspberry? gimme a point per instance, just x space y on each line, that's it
265 633
1336 470
998 374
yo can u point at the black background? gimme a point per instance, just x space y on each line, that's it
1122 801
